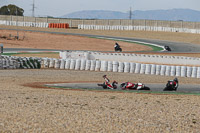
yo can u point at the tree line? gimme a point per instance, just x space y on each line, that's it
11 10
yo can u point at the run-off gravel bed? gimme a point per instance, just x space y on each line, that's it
26 109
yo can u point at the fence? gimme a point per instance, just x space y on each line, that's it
73 23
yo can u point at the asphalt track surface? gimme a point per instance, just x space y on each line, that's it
153 87
176 47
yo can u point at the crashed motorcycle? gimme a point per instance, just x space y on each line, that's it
108 85
132 86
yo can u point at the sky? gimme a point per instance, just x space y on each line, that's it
57 8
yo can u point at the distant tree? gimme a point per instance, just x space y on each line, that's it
11 10
4 10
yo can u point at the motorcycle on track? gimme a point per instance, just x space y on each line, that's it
167 48
132 86
171 85
117 48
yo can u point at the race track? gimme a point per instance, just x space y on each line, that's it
154 87
175 46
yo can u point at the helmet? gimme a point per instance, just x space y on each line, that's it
104 76
176 80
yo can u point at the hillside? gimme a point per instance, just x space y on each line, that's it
170 15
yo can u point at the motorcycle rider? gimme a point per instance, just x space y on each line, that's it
108 85
174 84
117 47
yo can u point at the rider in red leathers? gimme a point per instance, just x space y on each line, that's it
110 86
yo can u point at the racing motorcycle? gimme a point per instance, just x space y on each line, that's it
167 48
171 85
132 86
108 85
118 49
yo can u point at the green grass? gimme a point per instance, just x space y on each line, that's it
155 48
127 91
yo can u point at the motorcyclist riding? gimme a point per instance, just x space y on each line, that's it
117 47
171 85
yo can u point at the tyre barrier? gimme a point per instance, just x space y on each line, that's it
194 72
88 65
189 71
137 28
98 65
142 68
126 67
25 24
153 69
78 64
58 25
158 68
67 63
173 71
137 67
110 66
121 57
148 69
168 70
12 62
93 64
132 67
121 67
114 66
